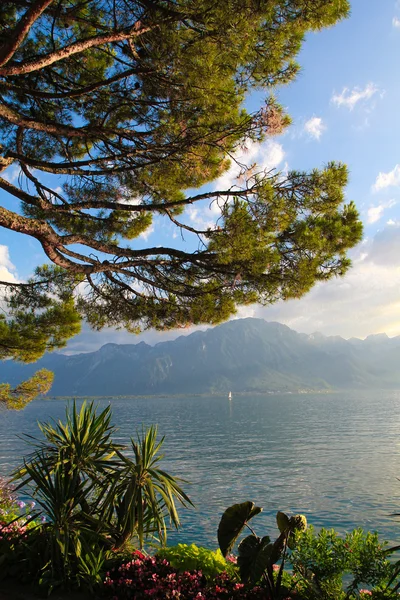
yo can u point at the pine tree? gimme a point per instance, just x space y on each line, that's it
137 104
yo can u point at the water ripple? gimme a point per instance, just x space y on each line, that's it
333 457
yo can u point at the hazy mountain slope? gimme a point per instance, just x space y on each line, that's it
242 355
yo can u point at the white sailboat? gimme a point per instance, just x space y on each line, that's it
230 396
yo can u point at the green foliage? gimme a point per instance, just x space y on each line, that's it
133 104
329 567
8 502
257 557
142 496
95 498
184 557
26 391
232 523
42 315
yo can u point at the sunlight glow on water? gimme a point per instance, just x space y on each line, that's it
335 458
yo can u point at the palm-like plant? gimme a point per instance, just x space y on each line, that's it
96 498
83 443
142 496
60 493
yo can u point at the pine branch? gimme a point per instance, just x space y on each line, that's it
78 47
21 30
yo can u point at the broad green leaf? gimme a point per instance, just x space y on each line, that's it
282 521
254 557
232 522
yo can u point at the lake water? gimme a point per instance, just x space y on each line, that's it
333 457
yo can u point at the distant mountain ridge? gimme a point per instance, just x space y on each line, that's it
245 355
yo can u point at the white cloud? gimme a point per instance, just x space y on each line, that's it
5 275
384 180
349 98
7 269
374 213
5 258
396 22
147 233
262 157
271 155
315 127
90 341
266 156
385 247
12 173
201 218
365 301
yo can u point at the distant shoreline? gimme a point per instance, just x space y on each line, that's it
194 395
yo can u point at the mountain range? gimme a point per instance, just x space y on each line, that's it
244 355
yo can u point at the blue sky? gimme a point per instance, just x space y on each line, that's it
345 106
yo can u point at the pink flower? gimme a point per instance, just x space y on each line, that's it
231 558
366 592
275 567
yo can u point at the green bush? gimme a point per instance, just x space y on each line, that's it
329 567
184 557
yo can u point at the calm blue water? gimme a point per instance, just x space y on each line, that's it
335 458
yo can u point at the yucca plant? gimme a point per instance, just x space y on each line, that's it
142 497
95 498
83 443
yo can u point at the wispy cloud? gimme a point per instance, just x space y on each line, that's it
350 97
201 217
315 127
385 180
374 213
396 22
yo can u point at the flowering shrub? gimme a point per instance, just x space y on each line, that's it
11 508
16 522
13 532
13 524
145 577
8 503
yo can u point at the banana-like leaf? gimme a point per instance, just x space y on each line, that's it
232 523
